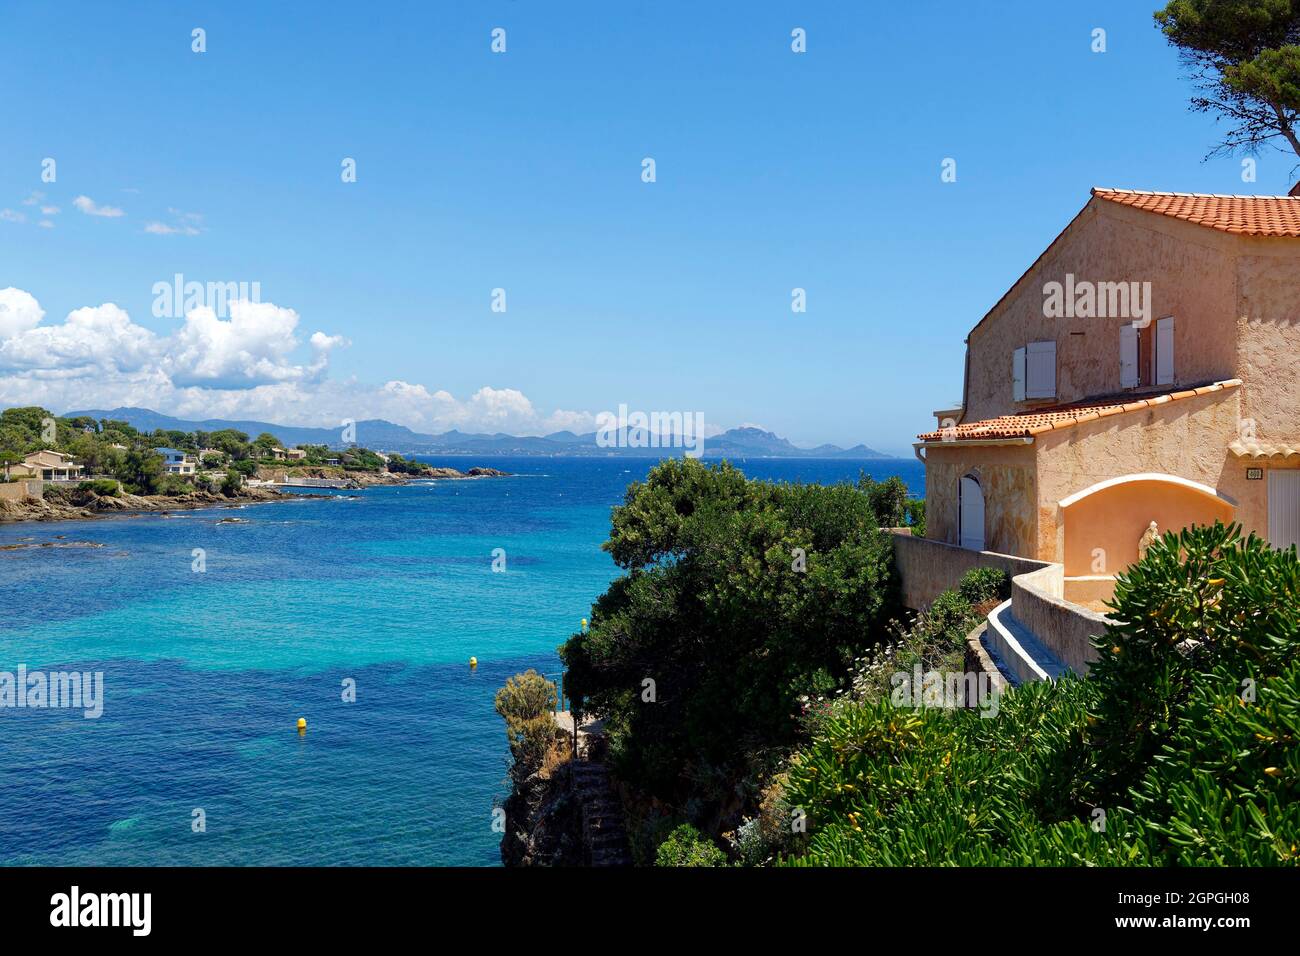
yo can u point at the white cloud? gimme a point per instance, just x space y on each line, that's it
9 215
162 229
91 208
90 341
33 199
19 311
250 348
49 210
45 224
246 366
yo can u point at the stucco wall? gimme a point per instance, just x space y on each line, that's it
1187 438
1268 280
928 568
1193 277
13 490
1103 529
1007 476
1063 628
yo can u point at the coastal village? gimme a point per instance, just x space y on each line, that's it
56 468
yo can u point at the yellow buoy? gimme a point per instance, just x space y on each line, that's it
473 662
302 724
584 623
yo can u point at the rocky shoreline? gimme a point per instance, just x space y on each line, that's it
365 479
98 506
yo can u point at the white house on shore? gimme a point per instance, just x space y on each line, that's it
177 462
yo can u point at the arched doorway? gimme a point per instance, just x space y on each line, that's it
971 514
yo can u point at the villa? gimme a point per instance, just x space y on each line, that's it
1145 369
47 466
177 462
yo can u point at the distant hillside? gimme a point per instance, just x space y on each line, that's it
747 442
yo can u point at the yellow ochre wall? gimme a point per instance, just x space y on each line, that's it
1236 303
1193 277
1006 473
1102 530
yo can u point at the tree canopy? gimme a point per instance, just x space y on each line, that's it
1245 58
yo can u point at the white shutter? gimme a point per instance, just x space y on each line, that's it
1165 351
1040 370
1284 508
1128 356
1018 375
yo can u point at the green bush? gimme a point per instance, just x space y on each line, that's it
527 704
1180 748
982 585
57 493
104 487
915 514
685 846
739 598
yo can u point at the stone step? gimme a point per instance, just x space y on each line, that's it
1017 650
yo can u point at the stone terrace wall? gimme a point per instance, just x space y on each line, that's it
927 568
1065 629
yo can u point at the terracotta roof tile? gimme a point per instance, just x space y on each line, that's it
1040 420
1263 449
1241 215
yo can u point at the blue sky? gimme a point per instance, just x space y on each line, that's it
522 171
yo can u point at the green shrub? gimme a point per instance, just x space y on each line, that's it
57 493
686 847
527 704
982 585
739 598
104 487
951 615
1180 748
888 499
915 514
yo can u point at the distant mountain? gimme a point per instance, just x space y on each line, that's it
745 442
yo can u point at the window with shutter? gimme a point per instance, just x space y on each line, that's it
1018 375
1128 356
1040 370
1165 351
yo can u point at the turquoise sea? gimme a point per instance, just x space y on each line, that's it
207 671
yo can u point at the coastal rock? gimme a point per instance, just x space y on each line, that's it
543 822
91 505
486 473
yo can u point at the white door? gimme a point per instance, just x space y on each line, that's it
1284 508
972 514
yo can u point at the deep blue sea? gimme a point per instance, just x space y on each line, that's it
206 672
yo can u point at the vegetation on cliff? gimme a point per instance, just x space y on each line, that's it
1179 748
740 600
